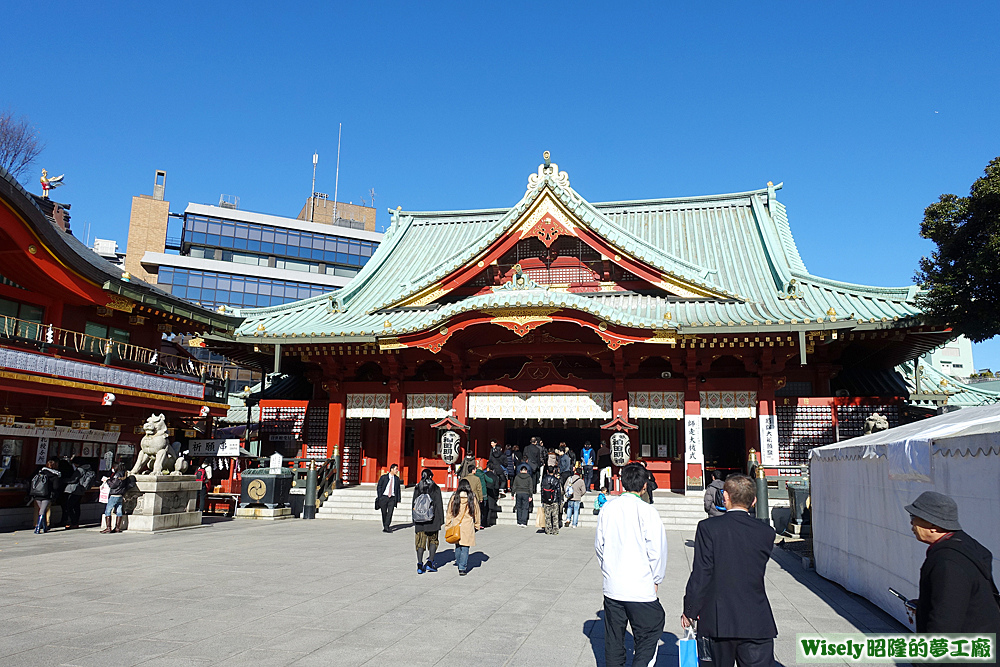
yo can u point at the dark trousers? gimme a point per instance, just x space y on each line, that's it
588 476
521 502
535 474
71 510
388 505
646 619
743 652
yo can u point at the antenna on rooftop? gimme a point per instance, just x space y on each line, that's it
371 192
312 195
336 180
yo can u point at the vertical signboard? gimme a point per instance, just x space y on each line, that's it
42 454
768 439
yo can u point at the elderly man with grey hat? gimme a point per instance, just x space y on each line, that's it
957 593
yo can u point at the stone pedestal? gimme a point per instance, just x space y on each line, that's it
167 502
264 513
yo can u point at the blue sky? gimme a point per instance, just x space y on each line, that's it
866 111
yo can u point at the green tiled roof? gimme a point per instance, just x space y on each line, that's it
934 381
739 246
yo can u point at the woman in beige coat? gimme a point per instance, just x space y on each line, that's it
464 511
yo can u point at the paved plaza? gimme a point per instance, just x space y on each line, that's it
343 593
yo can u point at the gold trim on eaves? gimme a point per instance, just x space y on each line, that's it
118 391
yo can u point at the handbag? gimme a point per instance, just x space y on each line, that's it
687 649
453 533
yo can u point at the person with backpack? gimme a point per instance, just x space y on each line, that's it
463 511
119 482
588 457
79 483
604 465
512 460
552 497
204 475
44 489
522 486
599 501
575 491
715 503
428 517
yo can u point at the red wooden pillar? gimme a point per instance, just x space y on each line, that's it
460 404
397 428
336 423
694 456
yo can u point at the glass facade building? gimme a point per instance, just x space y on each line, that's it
241 259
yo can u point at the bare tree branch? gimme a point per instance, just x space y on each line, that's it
19 144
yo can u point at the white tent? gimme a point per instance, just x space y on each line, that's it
861 533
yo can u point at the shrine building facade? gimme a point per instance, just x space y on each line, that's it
86 352
691 325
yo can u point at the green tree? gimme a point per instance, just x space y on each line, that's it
962 277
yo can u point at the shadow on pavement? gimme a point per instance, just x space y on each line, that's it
666 652
866 617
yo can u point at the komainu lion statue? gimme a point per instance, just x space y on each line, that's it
156 454
875 423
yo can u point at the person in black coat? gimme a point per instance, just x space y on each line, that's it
957 591
498 464
533 454
725 592
388 495
426 532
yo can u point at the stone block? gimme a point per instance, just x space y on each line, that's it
264 513
166 502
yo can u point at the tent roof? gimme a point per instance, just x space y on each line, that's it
944 432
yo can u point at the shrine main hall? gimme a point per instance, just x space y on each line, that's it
689 324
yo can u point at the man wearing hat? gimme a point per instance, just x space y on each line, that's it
957 593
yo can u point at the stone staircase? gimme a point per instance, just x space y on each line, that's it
358 503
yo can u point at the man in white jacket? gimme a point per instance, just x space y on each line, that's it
631 546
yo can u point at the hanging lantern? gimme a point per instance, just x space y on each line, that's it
113 428
7 420
620 449
451 448
81 424
45 422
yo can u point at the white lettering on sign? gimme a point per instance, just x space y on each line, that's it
692 439
281 437
768 439
276 461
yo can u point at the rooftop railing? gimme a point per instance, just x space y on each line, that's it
111 352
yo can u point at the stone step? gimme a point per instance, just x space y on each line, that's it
358 503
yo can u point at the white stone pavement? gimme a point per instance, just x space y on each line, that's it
343 593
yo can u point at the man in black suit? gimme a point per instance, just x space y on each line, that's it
388 495
725 592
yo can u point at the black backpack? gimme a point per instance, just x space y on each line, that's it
550 488
720 501
41 485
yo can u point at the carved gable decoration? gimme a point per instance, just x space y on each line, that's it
547 222
539 370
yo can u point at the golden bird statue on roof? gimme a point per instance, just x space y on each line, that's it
49 183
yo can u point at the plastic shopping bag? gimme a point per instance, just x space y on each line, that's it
105 493
687 649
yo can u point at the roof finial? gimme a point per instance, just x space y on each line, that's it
548 171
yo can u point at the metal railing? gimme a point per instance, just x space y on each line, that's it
45 337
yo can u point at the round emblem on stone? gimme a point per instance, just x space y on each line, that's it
256 489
